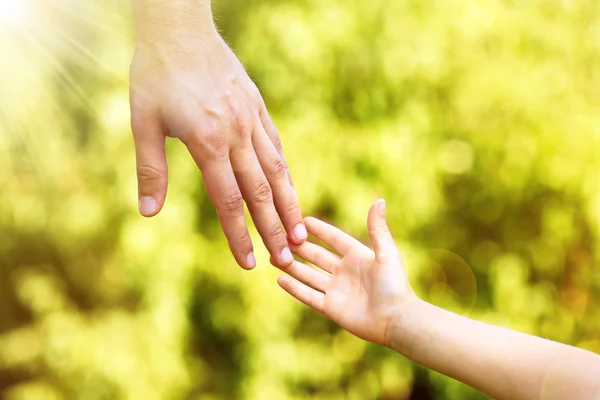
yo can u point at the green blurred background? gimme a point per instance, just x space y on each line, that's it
478 122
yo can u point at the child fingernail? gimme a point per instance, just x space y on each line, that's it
300 232
147 205
286 255
251 261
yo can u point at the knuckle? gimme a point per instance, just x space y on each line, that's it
244 237
215 141
277 142
262 192
233 202
148 173
240 121
276 230
293 207
209 145
241 242
279 169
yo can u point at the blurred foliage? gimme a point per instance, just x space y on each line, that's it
479 122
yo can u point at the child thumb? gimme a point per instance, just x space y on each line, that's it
383 242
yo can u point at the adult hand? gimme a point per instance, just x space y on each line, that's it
188 84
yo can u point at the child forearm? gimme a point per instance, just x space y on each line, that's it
501 363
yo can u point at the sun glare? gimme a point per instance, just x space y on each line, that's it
11 12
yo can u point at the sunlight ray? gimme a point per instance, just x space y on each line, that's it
63 75
83 55
73 11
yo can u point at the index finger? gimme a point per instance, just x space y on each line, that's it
332 236
271 130
284 194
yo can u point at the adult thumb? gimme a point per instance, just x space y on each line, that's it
151 164
383 242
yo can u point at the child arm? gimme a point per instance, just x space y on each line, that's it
367 293
499 362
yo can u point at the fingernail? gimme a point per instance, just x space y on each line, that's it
300 232
147 205
251 261
286 255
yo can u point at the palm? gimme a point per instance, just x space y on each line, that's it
363 295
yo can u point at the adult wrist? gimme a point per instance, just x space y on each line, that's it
173 22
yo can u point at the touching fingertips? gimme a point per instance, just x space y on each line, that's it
147 205
308 224
286 256
300 232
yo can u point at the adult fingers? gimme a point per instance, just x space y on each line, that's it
151 165
225 194
271 130
273 134
259 197
284 195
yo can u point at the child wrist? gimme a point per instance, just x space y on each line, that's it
401 333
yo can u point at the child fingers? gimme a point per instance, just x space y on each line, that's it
309 276
332 236
303 293
383 242
316 255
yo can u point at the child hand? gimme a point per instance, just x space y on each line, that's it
363 291
368 294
